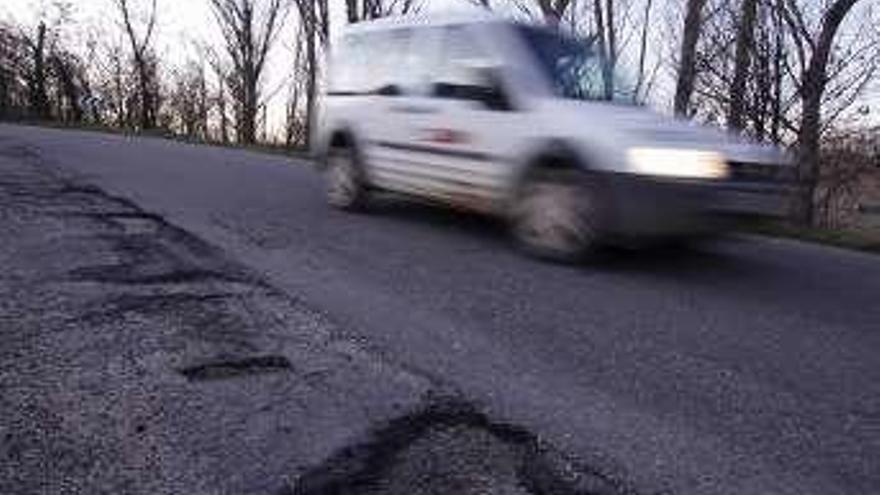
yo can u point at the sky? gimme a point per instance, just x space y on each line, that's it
183 22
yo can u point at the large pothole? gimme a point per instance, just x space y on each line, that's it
449 447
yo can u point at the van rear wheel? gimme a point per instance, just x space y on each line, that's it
344 186
557 216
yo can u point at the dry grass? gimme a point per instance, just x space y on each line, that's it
850 238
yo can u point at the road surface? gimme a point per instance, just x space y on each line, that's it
745 366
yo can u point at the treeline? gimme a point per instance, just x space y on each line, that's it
116 79
784 71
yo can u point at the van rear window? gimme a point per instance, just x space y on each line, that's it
377 62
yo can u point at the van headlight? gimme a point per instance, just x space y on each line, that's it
690 164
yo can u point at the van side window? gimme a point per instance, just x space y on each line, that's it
371 63
349 62
419 60
388 54
468 72
460 55
402 59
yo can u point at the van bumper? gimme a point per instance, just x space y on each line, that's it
646 206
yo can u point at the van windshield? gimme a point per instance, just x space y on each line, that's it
574 69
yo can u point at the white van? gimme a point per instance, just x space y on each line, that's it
516 120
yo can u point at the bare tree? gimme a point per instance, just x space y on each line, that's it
219 97
114 84
814 50
145 63
188 102
365 10
693 22
740 79
250 33
553 10
605 35
296 126
314 26
70 85
310 28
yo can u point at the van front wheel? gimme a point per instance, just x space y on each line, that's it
557 216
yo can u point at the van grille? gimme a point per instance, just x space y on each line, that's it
761 172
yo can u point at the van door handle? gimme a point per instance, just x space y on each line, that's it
402 108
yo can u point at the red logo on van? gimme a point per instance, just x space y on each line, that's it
445 136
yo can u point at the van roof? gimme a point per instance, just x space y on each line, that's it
475 16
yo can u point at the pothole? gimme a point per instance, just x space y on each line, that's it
450 448
232 368
138 275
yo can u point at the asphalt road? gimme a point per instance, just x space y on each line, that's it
745 366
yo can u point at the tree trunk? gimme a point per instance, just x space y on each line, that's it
351 11
5 76
599 18
763 81
204 107
69 90
611 48
145 65
687 71
145 101
324 21
221 108
312 80
607 37
39 99
778 58
808 142
745 40
643 51
4 93
247 126
119 93
291 124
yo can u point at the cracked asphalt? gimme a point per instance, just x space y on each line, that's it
185 319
